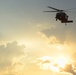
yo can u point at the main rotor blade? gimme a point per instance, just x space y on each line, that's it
50 11
54 8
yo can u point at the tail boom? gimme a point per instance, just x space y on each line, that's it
69 21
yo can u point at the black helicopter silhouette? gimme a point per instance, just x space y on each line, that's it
60 15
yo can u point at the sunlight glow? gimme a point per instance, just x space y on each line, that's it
61 61
54 68
53 64
45 58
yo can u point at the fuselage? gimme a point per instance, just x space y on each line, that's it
61 16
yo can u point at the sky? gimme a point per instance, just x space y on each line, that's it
33 42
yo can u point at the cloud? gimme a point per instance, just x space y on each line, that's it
59 33
50 39
10 56
48 63
44 62
69 68
62 33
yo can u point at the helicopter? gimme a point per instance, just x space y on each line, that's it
60 15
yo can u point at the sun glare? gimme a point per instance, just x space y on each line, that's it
53 64
54 68
61 61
